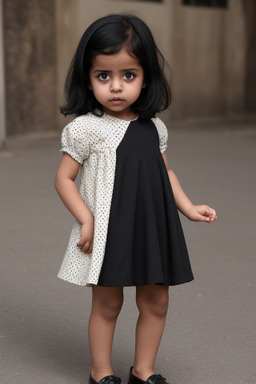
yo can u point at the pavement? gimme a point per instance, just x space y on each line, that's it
210 331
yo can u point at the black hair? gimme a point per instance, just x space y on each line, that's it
107 36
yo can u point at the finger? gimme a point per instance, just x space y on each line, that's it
82 241
210 212
202 217
208 217
203 211
212 217
81 244
90 249
91 246
213 214
86 247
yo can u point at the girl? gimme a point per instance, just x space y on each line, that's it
127 230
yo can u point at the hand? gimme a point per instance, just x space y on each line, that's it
87 233
202 213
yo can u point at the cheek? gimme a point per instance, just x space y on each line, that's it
99 93
138 91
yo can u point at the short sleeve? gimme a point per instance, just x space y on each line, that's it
162 132
74 140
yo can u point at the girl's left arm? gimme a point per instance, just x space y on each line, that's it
184 205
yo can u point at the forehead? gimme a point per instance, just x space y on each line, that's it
117 61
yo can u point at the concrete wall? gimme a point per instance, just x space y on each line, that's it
30 65
250 70
208 60
2 83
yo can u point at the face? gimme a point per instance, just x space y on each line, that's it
116 81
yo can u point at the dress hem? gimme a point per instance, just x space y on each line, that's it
171 284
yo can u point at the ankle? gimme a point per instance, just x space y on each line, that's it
142 373
97 375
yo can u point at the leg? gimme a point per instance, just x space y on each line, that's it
152 302
106 305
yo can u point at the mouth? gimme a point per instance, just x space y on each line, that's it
116 101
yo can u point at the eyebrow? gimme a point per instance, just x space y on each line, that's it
122 70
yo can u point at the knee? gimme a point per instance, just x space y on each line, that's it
110 307
155 304
158 305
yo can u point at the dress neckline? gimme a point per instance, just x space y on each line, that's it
106 115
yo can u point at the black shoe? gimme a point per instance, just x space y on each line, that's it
111 379
153 379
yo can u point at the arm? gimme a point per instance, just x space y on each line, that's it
184 205
68 192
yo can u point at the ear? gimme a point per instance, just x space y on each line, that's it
144 85
90 87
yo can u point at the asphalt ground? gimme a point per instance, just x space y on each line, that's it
210 331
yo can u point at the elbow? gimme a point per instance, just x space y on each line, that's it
57 183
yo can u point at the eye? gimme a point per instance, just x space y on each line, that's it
103 76
129 76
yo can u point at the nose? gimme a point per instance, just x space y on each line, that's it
116 85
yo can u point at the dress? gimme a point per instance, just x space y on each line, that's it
138 238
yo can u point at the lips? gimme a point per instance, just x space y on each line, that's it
116 101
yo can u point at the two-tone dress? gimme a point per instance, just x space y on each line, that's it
138 238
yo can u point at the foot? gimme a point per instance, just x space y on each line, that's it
110 379
153 379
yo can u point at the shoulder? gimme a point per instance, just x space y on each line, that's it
75 139
158 122
162 132
80 125
160 125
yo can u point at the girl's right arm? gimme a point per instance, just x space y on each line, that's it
68 192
